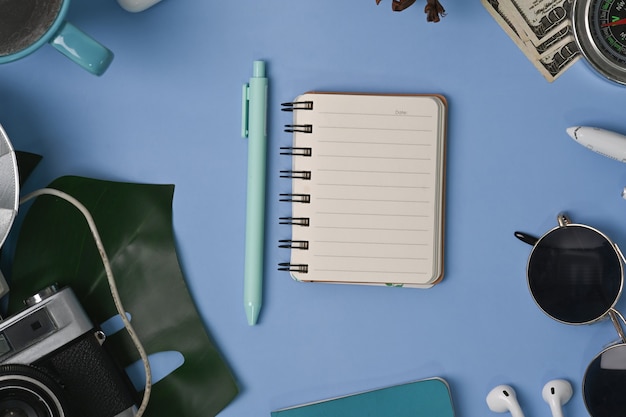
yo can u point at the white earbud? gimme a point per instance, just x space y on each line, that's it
502 399
556 393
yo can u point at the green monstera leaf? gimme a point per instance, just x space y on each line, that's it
135 223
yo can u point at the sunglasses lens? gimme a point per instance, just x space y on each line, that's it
575 274
604 387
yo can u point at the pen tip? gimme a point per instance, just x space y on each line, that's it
252 312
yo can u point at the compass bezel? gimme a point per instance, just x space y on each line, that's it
588 43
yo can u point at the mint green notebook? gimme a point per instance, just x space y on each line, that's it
424 398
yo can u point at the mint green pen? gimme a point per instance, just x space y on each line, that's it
254 127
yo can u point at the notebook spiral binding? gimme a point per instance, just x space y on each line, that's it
302 175
286 266
297 105
298 221
297 198
299 128
293 244
287 150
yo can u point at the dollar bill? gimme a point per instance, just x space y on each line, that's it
558 59
540 19
541 29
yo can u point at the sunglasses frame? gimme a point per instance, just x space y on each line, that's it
598 357
614 315
564 221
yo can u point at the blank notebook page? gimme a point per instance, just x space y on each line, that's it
376 188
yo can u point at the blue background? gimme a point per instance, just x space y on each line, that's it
168 111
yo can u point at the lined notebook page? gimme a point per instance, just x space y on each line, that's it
376 189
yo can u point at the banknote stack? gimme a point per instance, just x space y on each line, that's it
541 29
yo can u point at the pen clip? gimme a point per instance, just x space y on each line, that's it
245 102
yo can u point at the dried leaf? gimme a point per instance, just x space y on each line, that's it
399 5
434 10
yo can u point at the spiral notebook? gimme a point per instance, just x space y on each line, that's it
424 398
367 189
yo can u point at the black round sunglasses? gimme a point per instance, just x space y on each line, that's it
575 275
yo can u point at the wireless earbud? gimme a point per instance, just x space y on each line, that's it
556 393
502 399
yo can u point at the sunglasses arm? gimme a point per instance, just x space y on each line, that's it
616 316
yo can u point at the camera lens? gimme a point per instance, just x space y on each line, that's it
26 391
20 408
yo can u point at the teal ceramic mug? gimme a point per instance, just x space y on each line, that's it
27 25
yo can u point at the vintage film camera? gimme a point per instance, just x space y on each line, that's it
52 363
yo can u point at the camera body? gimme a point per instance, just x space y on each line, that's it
52 363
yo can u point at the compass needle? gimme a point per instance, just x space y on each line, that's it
614 23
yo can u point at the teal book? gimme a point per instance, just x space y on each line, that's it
423 398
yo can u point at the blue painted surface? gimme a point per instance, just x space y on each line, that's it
168 111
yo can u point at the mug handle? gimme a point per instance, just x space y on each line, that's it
82 49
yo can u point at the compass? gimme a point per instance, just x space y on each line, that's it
600 31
